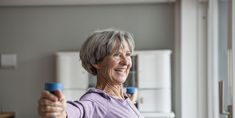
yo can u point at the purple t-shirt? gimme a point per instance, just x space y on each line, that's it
97 104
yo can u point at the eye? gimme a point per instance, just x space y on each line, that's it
128 54
116 54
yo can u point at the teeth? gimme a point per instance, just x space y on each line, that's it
122 70
119 70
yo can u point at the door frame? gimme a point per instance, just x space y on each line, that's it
190 56
212 58
233 49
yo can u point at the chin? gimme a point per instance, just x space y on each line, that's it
121 80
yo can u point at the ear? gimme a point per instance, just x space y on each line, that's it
97 66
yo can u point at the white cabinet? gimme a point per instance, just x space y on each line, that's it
155 100
153 74
73 94
69 70
154 69
71 74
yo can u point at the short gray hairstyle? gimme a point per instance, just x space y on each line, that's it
100 44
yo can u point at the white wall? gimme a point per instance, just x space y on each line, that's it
36 33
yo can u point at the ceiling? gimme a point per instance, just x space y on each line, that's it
75 2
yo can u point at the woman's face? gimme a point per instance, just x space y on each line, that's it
115 68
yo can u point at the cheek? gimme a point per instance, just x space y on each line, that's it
110 66
130 63
113 64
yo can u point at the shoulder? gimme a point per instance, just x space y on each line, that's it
95 95
99 102
94 103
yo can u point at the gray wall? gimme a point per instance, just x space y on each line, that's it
36 33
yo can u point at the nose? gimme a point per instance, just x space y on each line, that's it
125 60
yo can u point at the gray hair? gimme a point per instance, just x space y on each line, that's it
100 44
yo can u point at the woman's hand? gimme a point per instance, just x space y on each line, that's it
133 97
52 105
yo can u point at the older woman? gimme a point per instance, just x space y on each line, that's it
106 54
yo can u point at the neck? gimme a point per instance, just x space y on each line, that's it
108 87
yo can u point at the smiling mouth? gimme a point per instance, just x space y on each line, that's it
120 70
